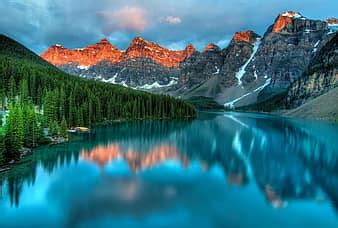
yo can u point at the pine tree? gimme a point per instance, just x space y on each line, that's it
54 129
24 91
14 132
64 128
12 88
32 132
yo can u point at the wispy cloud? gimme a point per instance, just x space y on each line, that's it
126 18
173 20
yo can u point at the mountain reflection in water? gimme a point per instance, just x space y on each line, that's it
137 161
149 167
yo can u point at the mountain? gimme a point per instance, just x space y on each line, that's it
144 65
84 57
251 69
78 101
314 93
255 68
320 77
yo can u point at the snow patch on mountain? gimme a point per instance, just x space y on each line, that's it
156 85
293 15
231 104
332 28
267 82
242 70
315 46
81 67
217 70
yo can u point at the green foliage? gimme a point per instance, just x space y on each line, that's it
14 134
64 128
54 129
32 130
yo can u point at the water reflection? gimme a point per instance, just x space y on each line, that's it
152 166
137 161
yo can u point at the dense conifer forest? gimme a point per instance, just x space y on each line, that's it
36 95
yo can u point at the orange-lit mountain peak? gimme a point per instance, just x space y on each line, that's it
332 21
211 47
190 48
88 56
285 19
138 40
141 48
105 51
245 36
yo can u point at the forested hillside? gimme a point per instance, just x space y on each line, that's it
27 80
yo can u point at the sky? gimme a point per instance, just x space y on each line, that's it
170 23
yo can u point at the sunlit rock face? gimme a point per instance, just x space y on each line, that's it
144 65
211 47
285 19
247 36
332 21
104 51
140 48
85 57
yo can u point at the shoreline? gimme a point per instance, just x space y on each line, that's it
60 140
25 151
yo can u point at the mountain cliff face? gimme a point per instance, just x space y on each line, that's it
211 72
285 51
252 68
320 77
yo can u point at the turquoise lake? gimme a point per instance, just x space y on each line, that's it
220 170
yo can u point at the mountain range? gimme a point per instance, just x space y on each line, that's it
253 69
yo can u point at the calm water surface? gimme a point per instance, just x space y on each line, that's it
221 170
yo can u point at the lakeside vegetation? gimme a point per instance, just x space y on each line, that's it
38 95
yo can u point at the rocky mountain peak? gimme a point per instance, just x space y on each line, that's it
88 56
189 49
104 41
245 36
284 19
139 41
332 21
103 44
57 46
291 14
211 47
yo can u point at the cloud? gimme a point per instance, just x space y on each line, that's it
175 23
126 18
173 20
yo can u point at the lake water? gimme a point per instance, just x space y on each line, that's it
220 170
